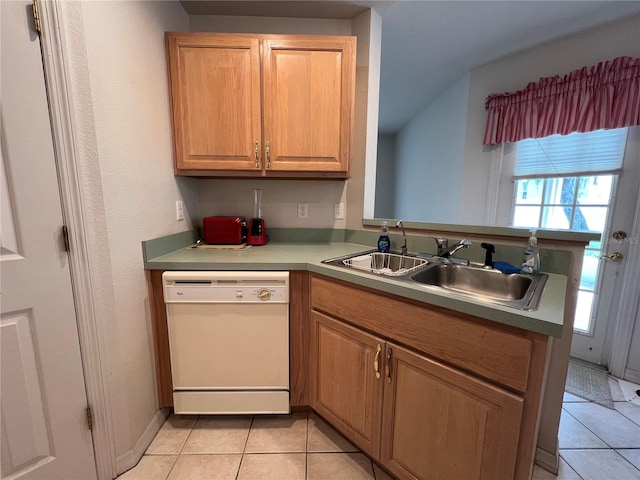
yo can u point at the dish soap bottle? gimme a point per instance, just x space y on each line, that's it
531 256
384 244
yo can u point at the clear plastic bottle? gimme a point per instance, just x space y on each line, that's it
384 243
531 256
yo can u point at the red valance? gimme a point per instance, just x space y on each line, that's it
604 96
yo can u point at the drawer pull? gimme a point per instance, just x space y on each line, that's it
376 362
255 153
387 367
268 155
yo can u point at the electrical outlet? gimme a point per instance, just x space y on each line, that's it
303 210
338 209
179 210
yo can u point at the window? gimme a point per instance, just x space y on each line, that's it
566 183
569 203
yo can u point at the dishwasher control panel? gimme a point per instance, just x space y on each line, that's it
226 287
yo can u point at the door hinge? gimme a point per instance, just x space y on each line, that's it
36 16
65 238
89 418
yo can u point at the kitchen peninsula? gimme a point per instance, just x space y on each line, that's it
387 363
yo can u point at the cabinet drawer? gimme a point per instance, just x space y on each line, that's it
501 354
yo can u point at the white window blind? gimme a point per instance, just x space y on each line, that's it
574 154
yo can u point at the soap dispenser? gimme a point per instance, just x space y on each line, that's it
531 256
384 243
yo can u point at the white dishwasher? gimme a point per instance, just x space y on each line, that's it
228 341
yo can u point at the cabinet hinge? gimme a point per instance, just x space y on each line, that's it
65 238
36 16
89 418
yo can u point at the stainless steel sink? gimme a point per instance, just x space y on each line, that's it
514 290
388 264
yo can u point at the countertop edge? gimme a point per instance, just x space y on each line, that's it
547 320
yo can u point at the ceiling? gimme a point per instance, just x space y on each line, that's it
428 45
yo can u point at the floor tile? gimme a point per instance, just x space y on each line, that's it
565 472
322 437
629 410
278 434
339 466
616 391
380 474
273 466
632 455
610 425
150 467
172 435
570 397
205 467
600 464
218 435
573 434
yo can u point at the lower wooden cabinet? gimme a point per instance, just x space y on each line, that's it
400 381
437 422
347 380
443 424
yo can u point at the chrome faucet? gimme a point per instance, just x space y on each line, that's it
404 236
448 252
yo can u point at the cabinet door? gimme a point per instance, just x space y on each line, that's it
215 96
345 387
308 103
440 423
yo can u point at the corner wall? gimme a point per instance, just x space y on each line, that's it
116 63
429 158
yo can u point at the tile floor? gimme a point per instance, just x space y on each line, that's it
595 443
297 446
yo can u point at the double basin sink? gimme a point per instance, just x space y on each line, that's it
513 290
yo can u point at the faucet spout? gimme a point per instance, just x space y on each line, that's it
449 252
404 237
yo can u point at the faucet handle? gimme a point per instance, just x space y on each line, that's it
441 242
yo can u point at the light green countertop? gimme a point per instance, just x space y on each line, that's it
548 319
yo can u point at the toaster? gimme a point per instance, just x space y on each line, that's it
224 230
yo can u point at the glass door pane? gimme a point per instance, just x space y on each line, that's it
569 203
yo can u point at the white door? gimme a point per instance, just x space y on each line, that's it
44 427
592 342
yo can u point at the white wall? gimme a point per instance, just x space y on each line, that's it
116 63
429 157
514 73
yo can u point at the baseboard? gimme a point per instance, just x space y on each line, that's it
547 460
632 376
130 458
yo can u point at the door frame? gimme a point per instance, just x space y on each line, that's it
628 301
92 340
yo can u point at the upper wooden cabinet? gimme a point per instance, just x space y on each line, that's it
262 105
